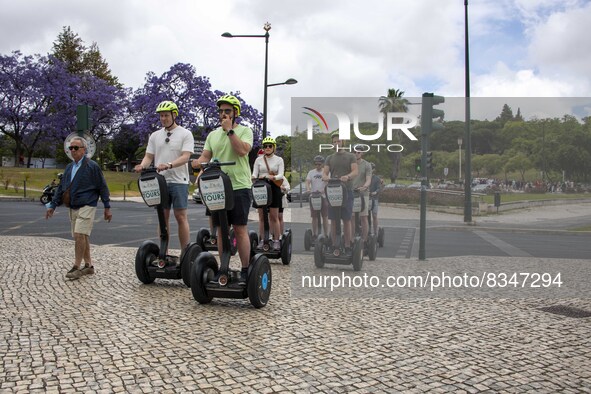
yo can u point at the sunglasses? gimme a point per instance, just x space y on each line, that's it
268 146
74 147
226 111
167 140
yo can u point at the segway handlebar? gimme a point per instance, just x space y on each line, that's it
215 163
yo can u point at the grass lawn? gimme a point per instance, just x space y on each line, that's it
12 181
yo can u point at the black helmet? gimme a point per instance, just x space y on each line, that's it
59 176
319 159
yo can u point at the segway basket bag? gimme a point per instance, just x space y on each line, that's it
153 189
316 201
335 194
216 191
358 202
261 193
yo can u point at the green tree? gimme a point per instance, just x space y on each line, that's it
519 162
393 102
70 49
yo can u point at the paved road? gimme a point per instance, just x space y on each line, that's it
538 233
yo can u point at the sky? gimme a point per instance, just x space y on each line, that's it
346 48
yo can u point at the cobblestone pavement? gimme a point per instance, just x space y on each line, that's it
110 333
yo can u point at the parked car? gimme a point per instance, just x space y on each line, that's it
481 188
394 186
295 195
197 196
417 185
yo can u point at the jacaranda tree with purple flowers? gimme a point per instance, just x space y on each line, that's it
38 100
194 97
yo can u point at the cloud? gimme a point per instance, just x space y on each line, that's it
347 48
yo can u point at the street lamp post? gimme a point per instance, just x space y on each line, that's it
289 81
266 27
468 141
460 157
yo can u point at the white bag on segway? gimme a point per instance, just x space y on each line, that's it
261 194
335 193
216 190
316 201
153 188
358 202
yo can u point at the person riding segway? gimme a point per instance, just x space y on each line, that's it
361 185
207 279
375 188
370 247
318 205
339 169
334 251
153 261
268 177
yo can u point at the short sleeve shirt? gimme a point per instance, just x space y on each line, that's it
339 164
180 140
218 143
363 170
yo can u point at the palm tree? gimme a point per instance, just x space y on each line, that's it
393 102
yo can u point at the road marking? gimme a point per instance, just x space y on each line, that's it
406 245
511 250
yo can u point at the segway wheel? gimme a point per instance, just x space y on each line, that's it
189 256
286 248
204 270
254 241
357 257
259 281
233 242
319 252
308 239
146 254
44 199
372 247
202 235
381 237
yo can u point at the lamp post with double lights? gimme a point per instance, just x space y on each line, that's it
266 27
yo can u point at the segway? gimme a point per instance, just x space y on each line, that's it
151 260
207 239
262 198
380 235
316 207
325 252
207 279
370 249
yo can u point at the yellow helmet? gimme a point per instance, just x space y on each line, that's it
168 106
233 101
269 140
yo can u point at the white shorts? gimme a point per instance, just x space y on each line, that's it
82 220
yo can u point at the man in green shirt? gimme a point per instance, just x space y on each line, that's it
232 142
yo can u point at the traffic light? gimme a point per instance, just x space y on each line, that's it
83 118
429 160
418 165
428 113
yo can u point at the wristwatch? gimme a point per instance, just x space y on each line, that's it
169 165
230 132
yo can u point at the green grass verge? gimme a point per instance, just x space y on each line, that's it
12 181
